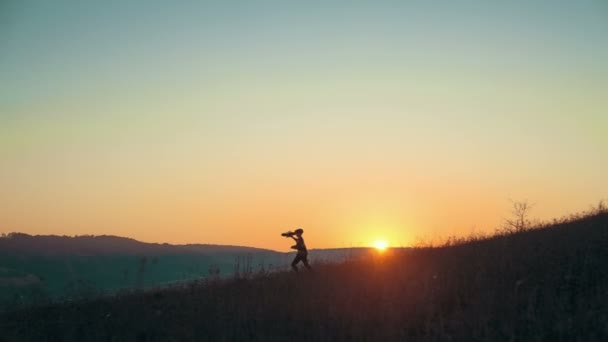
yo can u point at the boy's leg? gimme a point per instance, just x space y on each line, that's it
295 261
305 261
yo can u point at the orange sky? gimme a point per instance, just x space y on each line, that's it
232 123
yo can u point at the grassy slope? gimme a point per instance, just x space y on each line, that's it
544 284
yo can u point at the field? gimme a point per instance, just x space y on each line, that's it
547 283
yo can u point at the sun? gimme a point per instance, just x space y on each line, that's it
380 245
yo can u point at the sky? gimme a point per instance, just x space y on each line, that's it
230 122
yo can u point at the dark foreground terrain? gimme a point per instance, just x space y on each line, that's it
545 284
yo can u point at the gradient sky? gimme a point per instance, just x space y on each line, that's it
229 122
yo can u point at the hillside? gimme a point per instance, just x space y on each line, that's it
548 283
87 245
54 268
47 267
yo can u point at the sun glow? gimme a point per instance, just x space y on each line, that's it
380 245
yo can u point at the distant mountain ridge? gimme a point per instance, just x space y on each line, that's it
93 245
53 267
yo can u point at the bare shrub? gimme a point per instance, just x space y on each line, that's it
520 217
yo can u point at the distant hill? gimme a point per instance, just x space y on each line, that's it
88 245
63 267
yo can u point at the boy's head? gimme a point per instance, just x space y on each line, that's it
299 231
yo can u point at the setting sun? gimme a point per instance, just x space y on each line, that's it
380 245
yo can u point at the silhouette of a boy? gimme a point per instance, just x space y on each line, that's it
300 246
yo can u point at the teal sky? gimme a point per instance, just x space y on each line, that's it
225 121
